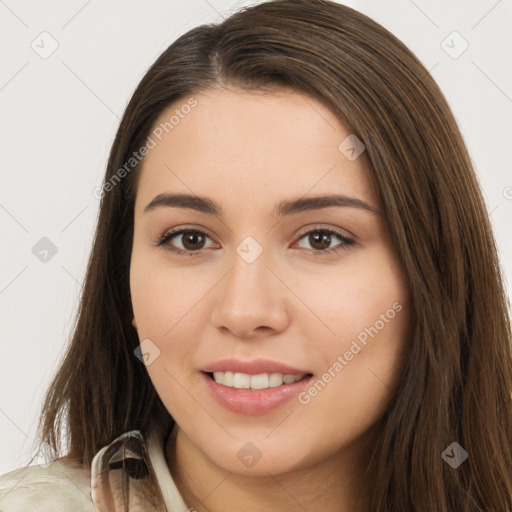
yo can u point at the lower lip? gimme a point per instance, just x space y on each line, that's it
253 403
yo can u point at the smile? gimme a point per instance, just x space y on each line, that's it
246 398
239 380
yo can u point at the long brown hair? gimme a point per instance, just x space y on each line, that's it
457 381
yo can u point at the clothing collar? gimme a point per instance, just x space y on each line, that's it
131 474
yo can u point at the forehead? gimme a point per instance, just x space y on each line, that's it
244 146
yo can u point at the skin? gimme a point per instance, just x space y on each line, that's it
248 151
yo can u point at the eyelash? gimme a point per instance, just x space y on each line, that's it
346 241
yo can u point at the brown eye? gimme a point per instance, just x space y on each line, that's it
193 240
320 240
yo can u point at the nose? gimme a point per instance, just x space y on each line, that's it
251 302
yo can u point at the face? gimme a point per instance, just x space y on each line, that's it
303 303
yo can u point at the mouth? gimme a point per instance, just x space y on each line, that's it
253 387
258 382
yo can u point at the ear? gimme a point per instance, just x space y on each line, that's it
134 323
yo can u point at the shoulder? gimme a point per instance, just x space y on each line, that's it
59 486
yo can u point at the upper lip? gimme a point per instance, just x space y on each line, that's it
254 367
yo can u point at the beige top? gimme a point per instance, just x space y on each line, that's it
129 474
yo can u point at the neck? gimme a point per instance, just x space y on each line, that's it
335 484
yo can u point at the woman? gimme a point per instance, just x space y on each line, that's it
293 299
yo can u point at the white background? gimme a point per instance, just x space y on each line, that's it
59 116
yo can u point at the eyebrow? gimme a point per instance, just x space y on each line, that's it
282 209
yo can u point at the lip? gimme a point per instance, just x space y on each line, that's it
253 402
254 367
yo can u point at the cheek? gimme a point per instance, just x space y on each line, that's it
368 312
362 298
163 305
357 380
162 299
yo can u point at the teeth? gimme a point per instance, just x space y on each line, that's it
259 381
241 381
262 381
289 379
275 379
228 379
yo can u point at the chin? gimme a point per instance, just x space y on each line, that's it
259 458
